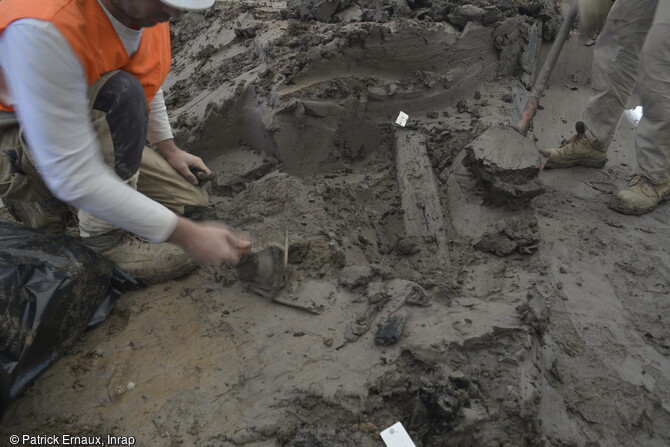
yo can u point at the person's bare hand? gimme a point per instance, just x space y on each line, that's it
209 243
181 160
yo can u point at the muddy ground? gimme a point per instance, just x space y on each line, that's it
538 325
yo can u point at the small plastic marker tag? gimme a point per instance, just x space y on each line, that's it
402 119
397 436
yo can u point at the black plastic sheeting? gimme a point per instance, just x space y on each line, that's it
51 289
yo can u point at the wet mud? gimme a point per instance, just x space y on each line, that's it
470 320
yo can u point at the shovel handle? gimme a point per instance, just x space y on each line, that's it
543 78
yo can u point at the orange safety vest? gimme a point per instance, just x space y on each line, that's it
94 41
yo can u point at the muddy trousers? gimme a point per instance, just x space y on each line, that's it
119 118
634 49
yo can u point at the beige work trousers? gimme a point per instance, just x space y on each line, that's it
634 50
26 194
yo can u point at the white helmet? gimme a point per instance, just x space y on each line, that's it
189 5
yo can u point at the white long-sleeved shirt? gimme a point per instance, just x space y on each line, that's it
43 79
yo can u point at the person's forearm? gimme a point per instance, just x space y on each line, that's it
208 243
167 148
181 234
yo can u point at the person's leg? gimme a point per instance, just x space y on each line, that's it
614 75
165 185
652 138
119 118
119 113
22 190
615 69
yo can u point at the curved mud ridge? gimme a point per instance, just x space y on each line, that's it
341 86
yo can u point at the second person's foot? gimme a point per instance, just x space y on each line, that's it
577 151
639 197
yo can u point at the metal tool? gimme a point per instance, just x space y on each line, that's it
264 267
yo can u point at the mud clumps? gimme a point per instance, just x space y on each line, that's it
456 12
534 312
390 330
356 275
443 398
439 407
517 42
309 437
507 165
514 234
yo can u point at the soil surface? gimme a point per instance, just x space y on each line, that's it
411 295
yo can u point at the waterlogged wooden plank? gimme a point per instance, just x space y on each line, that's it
423 213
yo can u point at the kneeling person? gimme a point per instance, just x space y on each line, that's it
80 93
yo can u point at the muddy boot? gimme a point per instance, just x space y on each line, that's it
577 151
50 216
152 263
639 197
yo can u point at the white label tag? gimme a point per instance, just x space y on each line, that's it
402 119
397 436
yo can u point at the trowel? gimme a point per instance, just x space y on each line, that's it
264 266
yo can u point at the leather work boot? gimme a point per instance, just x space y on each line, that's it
577 151
639 197
152 263
50 216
